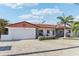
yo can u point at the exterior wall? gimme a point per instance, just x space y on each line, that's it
59 33
53 31
45 31
19 33
7 37
68 33
27 33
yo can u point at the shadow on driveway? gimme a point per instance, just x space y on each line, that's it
44 51
5 48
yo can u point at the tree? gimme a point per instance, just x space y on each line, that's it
3 24
75 28
65 20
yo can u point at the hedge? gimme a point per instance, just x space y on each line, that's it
45 37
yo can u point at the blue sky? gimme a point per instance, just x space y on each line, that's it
37 12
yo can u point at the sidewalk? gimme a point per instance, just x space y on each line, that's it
36 47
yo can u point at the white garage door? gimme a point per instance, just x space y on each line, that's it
23 33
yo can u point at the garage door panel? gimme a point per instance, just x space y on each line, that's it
22 33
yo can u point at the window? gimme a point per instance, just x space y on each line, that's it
60 31
40 32
6 31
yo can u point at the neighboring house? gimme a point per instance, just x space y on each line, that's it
60 31
26 30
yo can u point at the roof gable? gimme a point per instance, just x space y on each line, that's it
23 24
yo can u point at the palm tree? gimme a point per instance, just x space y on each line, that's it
65 20
3 24
75 28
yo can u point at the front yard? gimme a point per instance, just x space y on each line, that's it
42 48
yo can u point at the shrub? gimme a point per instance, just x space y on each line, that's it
45 38
41 38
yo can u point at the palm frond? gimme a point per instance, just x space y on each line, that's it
69 18
61 18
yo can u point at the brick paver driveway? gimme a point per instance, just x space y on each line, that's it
41 48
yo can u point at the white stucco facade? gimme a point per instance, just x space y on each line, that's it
68 32
50 31
19 33
26 30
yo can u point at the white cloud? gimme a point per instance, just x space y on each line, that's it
76 18
25 16
46 11
31 4
30 16
40 14
20 5
12 5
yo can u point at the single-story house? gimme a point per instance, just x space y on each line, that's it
26 30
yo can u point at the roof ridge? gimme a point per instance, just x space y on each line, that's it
23 22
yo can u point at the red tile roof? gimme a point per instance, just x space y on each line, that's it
61 26
23 24
45 25
30 25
